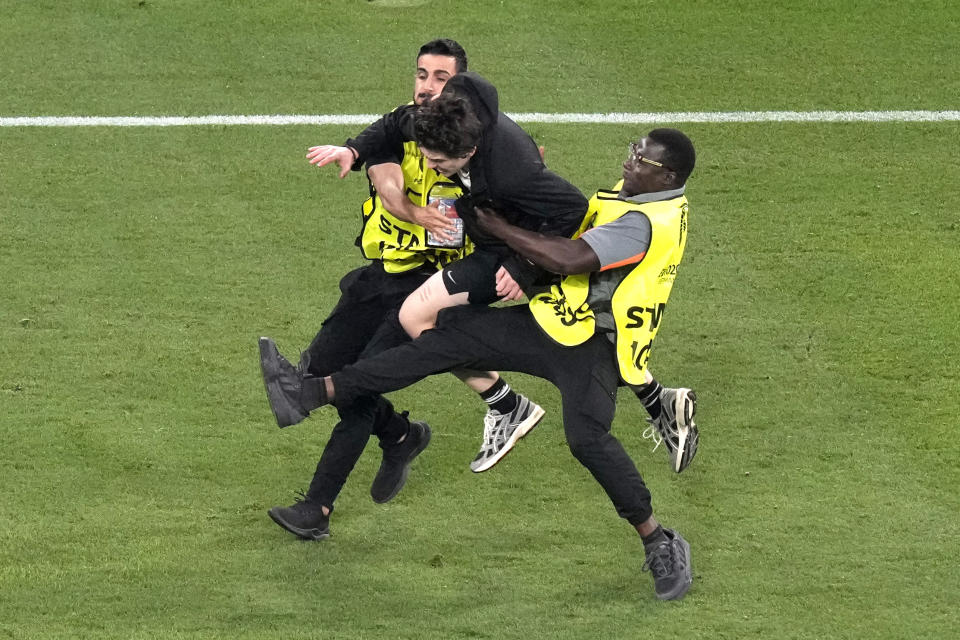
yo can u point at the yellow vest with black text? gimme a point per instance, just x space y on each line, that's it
402 245
640 289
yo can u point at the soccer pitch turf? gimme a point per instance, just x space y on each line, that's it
816 315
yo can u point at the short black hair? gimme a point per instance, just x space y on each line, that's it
678 152
447 125
446 47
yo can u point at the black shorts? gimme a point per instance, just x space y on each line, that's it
476 275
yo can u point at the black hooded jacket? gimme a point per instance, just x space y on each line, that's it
507 173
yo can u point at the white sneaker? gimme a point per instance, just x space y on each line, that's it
502 431
675 426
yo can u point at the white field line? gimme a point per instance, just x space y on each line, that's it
557 118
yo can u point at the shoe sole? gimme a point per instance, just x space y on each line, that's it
681 589
685 408
521 431
271 381
305 534
406 471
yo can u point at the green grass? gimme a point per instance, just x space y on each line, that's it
155 57
815 315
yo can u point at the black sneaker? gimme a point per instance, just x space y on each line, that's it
284 384
303 519
395 465
669 562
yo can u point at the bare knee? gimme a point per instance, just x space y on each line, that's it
419 311
413 319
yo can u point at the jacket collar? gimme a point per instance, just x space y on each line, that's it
656 196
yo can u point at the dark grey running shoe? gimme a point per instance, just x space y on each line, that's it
395 466
284 384
669 562
303 519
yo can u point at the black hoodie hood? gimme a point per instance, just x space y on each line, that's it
479 92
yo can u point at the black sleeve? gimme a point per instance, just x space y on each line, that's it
552 205
383 140
525 191
539 200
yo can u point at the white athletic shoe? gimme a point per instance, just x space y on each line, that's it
675 427
502 430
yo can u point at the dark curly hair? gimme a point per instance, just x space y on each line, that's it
447 125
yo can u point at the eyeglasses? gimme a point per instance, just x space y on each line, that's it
636 156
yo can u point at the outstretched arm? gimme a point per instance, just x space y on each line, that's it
377 143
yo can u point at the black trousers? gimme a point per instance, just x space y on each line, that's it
363 323
508 339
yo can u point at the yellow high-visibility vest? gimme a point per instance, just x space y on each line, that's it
640 289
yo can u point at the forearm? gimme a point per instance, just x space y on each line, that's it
553 253
387 179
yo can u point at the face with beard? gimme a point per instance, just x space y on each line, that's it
433 71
